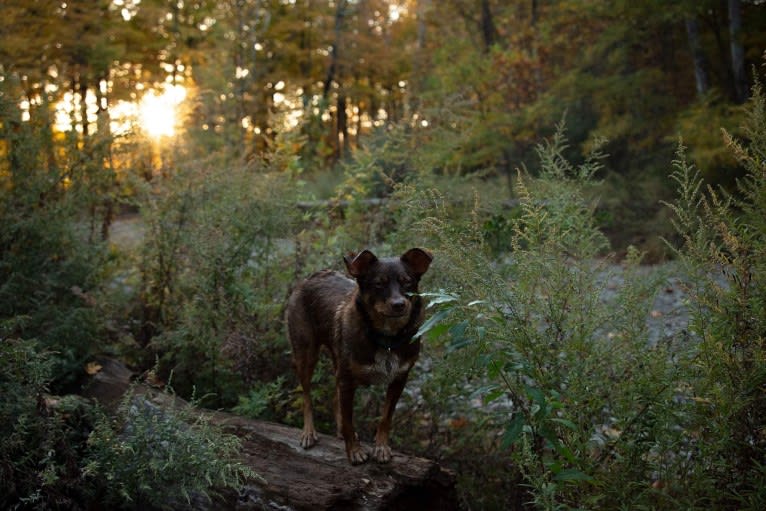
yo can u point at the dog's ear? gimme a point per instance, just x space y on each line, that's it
358 264
418 260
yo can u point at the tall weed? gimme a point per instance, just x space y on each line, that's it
155 457
723 253
578 402
51 267
214 271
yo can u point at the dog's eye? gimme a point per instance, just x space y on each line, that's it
405 282
379 284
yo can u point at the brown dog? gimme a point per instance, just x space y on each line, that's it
368 327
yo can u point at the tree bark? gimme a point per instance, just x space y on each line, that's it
333 73
82 88
239 61
342 128
422 8
535 53
698 57
10 128
488 31
332 70
320 478
737 51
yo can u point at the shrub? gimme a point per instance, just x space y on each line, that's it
42 437
266 401
723 252
50 273
160 457
214 272
575 402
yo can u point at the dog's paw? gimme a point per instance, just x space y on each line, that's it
382 453
309 438
357 455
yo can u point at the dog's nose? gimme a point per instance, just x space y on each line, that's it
398 304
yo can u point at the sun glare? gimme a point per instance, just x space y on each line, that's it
158 112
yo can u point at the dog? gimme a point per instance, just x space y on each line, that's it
368 324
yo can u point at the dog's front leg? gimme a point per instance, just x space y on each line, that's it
382 452
346 388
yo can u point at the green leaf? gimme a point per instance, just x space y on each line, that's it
513 431
431 322
572 474
536 395
438 298
457 331
459 339
493 395
493 368
438 330
563 450
564 422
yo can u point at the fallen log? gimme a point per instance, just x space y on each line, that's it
293 478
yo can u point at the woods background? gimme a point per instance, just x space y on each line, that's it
169 169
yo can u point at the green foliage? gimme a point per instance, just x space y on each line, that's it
723 252
48 277
43 437
591 413
213 272
715 160
23 376
51 268
145 456
159 457
266 401
571 388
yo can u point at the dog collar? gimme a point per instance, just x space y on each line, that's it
386 341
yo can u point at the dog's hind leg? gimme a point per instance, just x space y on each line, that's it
354 450
304 366
336 398
305 354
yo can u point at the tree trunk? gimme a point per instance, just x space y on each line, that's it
535 53
241 77
10 128
737 52
342 128
698 56
332 69
488 31
422 7
333 72
82 86
320 478
49 148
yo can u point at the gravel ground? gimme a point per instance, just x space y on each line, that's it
669 313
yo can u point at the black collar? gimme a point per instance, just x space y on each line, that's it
386 341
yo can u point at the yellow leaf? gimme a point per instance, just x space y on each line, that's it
92 368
